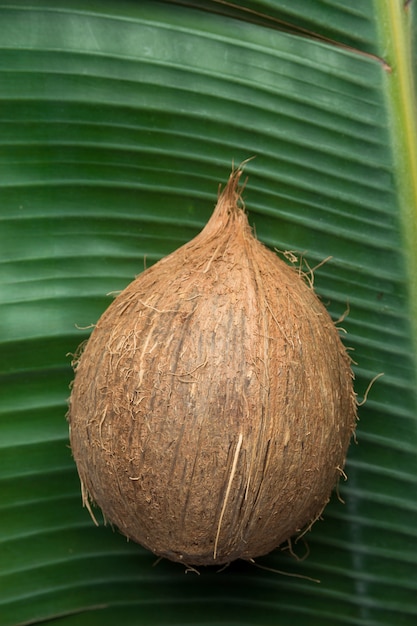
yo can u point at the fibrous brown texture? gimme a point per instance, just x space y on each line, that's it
213 405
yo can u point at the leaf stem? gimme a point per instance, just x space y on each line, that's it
395 24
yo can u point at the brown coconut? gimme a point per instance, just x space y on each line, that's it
213 405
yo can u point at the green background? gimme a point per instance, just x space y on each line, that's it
118 121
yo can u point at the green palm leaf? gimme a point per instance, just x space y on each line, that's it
118 120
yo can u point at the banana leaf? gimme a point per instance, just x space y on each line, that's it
118 122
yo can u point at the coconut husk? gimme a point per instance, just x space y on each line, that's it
213 404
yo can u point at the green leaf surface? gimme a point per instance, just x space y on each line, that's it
118 121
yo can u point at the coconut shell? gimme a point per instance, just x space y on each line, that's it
213 404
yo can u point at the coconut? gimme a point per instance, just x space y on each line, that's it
213 404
